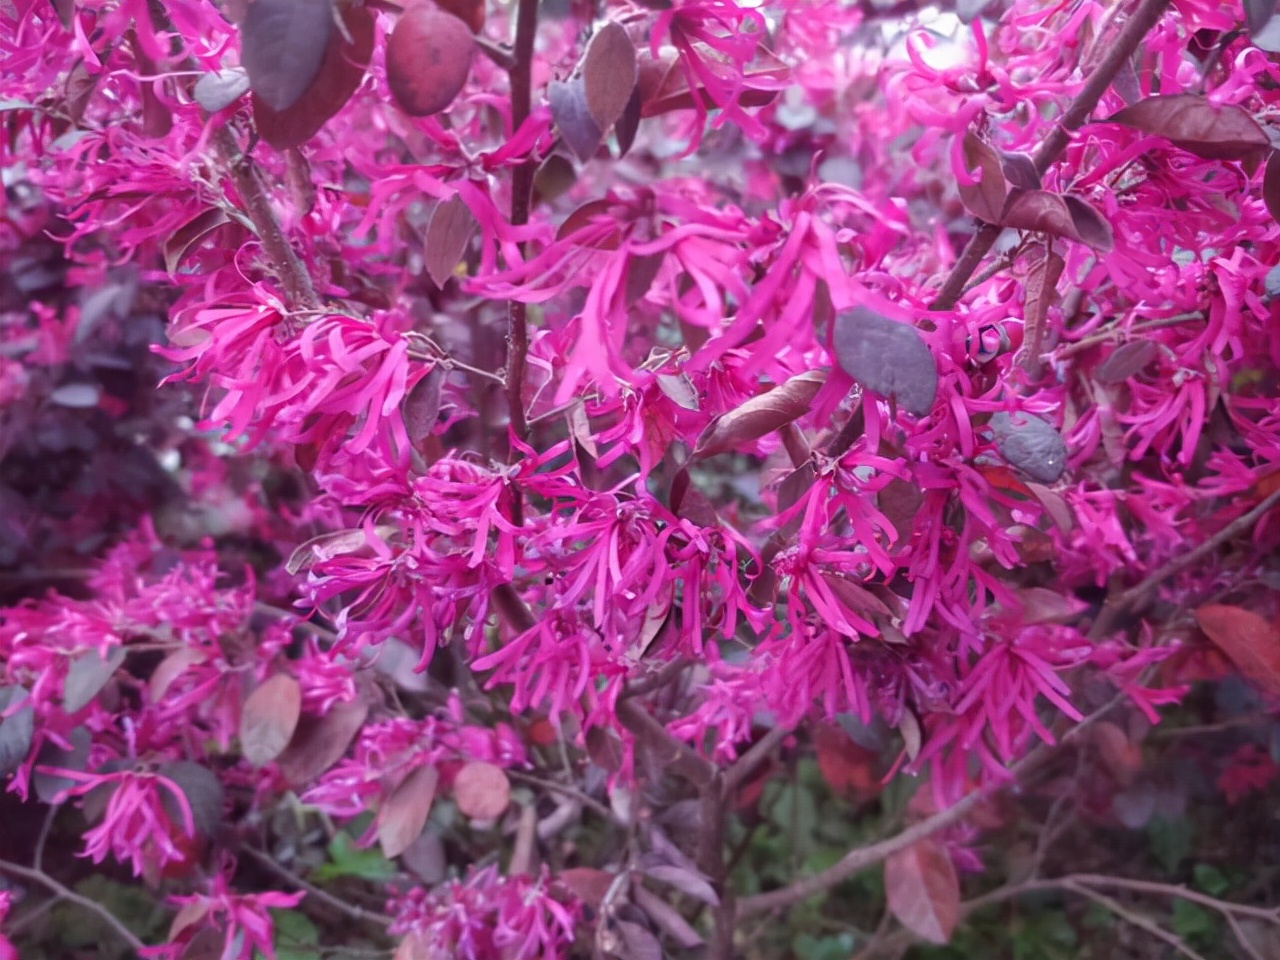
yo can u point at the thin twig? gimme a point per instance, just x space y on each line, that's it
1137 920
1137 595
349 909
64 893
573 793
680 758
757 754
1144 18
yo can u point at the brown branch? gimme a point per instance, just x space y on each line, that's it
1144 18
1136 596
328 899
669 751
65 893
758 753
521 77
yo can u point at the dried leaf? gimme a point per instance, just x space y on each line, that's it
428 59
608 73
1196 124
986 198
1030 444
269 718
202 791
923 890
74 758
188 236
319 743
886 357
340 75
16 729
687 881
482 790
282 44
448 232
404 815
760 415
86 677
1125 361
1250 642
578 128
217 91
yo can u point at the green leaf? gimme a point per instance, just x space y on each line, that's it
348 860
1211 880
1192 922
1170 842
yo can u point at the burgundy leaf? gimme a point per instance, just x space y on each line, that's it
760 415
1038 210
482 790
1042 290
1125 361
269 718
1091 227
886 357
470 12
1271 185
448 233
573 118
320 742
642 270
428 59
637 942
609 73
554 177
202 791
74 758
282 44
664 86
404 814
686 881
627 125
190 235
340 74
16 729
923 890
667 918
421 405
1197 125
588 884
1019 170
1249 641
86 677
986 198
1030 444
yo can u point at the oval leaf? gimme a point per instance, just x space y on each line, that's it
886 357
217 91
404 815
1030 444
448 231
202 791
986 198
1091 227
320 742
482 790
421 407
87 676
760 415
16 729
1047 212
1125 361
1191 121
428 59
923 890
608 73
573 118
282 44
1251 643
75 758
269 719
340 75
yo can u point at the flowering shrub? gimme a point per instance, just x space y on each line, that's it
572 411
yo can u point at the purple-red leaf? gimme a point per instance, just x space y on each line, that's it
1019 170
986 198
282 44
1249 641
269 718
450 228
1091 227
686 881
482 790
667 918
1271 185
1194 123
886 357
320 742
75 758
201 789
1030 444
923 890
760 415
339 75
428 59
573 118
404 815
1125 361
1052 213
421 405
609 73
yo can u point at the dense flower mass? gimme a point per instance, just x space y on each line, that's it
705 371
